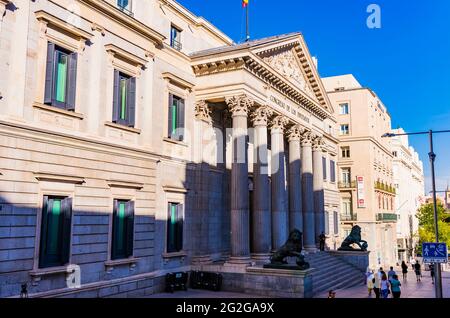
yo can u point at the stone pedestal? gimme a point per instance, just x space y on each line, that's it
359 259
279 283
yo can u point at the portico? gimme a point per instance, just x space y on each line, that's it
275 140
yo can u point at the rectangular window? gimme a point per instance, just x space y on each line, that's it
346 209
343 109
327 223
324 168
332 171
175 38
123 229
124 100
176 118
60 77
344 130
345 152
175 228
346 176
335 221
55 231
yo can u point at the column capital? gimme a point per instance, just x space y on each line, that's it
318 143
202 111
279 122
239 105
295 133
260 116
307 139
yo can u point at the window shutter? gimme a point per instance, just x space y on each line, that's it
180 124
66 207
49 78
324 168
179 228
115 117
44 229
114 230
72 82
170 116
170 243
129 213
131 101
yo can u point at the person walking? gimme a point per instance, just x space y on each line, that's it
395 287
370 282
391 273
376 284
384 286
432 273
418 271
404 271
322 239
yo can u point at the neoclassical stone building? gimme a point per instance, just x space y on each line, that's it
136 139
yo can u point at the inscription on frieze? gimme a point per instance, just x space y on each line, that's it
289 109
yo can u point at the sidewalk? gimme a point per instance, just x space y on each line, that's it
410 288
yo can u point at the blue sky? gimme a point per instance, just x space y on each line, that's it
406 62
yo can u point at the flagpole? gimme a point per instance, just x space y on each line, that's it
247 28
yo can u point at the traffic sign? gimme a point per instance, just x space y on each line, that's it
434 253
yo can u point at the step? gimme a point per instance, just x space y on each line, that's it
331 276
326 283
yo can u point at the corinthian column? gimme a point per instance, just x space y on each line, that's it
239 107
280 226
295 180
319 202
261 218
308 193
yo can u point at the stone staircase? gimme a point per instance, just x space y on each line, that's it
333 273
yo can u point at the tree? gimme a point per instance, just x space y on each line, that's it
425 216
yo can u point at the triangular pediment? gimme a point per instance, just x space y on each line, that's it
287 64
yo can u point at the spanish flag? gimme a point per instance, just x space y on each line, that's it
245 3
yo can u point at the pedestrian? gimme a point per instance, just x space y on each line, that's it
395 287
384 286
376 285
404 270
432 273
417 271
391 273
322 239
370 282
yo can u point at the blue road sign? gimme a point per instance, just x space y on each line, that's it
434 253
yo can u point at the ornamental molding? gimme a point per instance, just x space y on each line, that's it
279 123
239 105
202 111
287 65
260 116
307 139
295 133
318 144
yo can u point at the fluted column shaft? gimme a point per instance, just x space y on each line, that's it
261 218
308 193
240 220
295 181
280 226
319 208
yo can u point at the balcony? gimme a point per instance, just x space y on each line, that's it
347 185
125 10
387 217
385 187
176 45
348 217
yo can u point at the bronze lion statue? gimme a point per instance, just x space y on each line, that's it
354 238
292 247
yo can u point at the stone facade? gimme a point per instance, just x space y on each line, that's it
246 169
365 155
410 188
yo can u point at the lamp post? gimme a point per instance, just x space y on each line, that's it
432 156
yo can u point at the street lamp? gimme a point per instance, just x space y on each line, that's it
432 156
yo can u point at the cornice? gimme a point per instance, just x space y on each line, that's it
178 80
131 23
44 176
121 53
74 31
